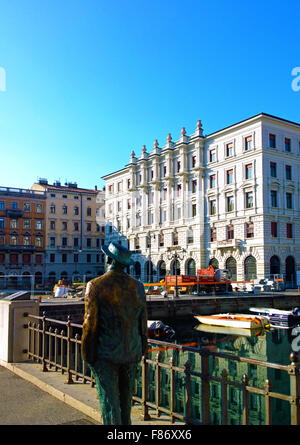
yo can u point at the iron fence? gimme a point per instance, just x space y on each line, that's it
192 385
56 345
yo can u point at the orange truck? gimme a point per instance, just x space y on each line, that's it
206 280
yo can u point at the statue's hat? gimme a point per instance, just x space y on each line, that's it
119 253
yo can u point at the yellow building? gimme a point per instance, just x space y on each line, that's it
74 231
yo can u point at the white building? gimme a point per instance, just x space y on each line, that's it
230 198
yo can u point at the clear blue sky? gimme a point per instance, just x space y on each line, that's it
87 81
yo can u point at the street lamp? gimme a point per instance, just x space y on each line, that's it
150 267
175 253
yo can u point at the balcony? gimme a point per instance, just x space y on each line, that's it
226 244
14 213
18 247
156 181
66 248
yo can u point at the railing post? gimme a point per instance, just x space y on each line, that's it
69 351
62 351
35 339
294 389
224 404
29 339
76 359
44 369
157 383
55 348
172 389
205 409
51 341
268 403
245 399
145 387
188 388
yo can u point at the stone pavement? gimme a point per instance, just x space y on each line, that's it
23 403
32 397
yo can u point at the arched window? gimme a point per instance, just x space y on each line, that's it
88 275
161 270
148 270
214 262
52 277
274 265
231 266
38 278
12 282
175 268
76 277
250 268
26 280
191 267
290 271
64 275
137 270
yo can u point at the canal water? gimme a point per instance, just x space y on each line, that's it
274 345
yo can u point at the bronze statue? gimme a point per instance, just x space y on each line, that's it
114 336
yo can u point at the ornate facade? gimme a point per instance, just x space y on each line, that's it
230 198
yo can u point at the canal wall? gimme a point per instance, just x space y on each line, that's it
182 307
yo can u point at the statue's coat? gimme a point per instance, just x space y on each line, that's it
115 320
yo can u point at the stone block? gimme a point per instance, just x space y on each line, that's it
13 333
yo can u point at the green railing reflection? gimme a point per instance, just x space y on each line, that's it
208 387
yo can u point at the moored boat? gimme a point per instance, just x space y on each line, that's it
159 331
278 317
246 321
230 330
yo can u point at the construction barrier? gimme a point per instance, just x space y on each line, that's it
195 283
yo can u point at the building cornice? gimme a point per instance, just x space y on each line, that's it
251 120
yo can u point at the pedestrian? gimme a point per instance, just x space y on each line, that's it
114 336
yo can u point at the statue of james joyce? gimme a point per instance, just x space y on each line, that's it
114 336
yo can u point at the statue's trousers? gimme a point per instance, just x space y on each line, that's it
115 386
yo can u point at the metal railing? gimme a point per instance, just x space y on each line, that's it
55 345
176 380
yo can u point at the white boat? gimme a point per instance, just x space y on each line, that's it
246 321
278 317
229 330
